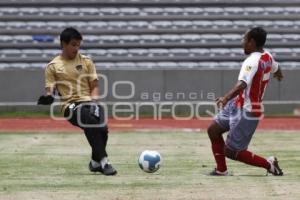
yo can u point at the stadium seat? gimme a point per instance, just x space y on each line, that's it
138 52
225 38
40 38
97 25
187 65
290 65
6 39
9 11
211 38
51 11
149 38
93 39
105 65
274 10
213 10
28 11
94 52
199 51
89 11
172 11
275 37
201 24
192 10
191 38
129 39
162 24
182 24
68 11
138 24
37 65
158 52
235 11
125 65
117 52
153 11
129 11
178 52
31 53
54 24
6 53
210 65
109 11
229 65
146 65
242 24
4 66
167 65
169 38
50 53
292 10
281 51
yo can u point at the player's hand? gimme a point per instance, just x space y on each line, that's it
45 100
278 76
221 102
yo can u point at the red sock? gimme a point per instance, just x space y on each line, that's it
252 159
218 151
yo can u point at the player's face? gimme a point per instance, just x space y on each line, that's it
71 49
246 44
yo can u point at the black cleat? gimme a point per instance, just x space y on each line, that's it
108 169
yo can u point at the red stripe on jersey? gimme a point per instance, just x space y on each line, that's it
259 83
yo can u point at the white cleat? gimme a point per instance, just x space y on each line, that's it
274 169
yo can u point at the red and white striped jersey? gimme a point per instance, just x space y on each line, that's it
255 72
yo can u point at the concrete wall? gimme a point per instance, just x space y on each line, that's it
150 85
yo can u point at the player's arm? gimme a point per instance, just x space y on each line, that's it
95 91
246 75
276 70
94 88
93 79
222 101
50 84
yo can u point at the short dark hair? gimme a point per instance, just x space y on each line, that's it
68 34
259 35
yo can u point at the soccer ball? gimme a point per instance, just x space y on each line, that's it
150 161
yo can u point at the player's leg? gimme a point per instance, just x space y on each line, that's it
215 132
97 135
238 139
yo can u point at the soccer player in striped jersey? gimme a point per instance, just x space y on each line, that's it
241 108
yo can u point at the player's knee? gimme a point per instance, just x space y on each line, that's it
212 134
230 153
210 131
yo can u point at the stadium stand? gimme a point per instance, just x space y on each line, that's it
148 34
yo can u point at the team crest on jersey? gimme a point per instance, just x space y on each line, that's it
79 68
248 68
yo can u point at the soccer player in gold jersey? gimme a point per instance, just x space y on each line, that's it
74 76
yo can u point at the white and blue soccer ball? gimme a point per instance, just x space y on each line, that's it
150 161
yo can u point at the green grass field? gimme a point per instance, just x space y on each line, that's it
46 166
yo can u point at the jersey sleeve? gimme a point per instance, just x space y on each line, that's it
91 70
50 76
247 71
